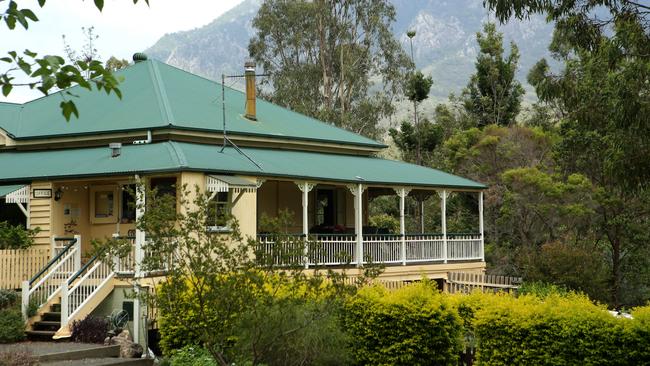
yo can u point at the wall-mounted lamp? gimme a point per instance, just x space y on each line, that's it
58 194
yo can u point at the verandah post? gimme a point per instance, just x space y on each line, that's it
443 208
139 234
480 225
359 209
402 193
305 188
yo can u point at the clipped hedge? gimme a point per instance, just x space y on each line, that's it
556 330
412 326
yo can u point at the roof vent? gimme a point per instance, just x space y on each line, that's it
139 56
116 149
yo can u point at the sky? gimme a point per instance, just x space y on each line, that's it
123 28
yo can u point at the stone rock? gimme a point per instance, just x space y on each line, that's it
128 348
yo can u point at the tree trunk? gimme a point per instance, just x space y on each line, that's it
616 272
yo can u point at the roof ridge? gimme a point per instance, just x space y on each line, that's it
271 103
176 152
161 93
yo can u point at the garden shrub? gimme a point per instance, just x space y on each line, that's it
414 325
16 237
8 298
638 340
12 325
554 330
91 329
192 356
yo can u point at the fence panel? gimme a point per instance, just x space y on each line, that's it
466 282
17 265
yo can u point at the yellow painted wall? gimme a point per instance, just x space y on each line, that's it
39 211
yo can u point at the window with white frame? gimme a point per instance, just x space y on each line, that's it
219 212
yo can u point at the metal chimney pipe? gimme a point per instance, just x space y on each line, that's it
249 73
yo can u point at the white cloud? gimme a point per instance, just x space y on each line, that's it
123 28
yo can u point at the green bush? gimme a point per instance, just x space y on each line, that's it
12 325
554 330
638 339
8 298
384 221
192 356
414 325
15 237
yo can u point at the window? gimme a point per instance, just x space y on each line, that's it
219 212
103 204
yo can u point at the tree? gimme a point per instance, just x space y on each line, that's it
323 55
602 95
227 293
47 72
417 143
417 90
493 94
114 64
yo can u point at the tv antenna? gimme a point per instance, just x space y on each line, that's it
226 140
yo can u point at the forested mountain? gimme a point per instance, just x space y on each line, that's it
444 46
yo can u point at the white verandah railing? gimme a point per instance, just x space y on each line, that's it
339 249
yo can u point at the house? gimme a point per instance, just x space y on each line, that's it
70 180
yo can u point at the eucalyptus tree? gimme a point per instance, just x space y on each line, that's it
324 59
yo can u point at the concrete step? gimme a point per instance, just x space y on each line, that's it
102 362
87 353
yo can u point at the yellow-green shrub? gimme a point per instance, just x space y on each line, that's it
638 340
555 330
414 325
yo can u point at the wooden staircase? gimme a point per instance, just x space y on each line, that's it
46 324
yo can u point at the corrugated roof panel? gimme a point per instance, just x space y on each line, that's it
177 156
157 95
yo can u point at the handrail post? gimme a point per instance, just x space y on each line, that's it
24 303
64 304
77 254
52 247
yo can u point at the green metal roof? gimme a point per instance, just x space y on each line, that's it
5 190
155 96
178 156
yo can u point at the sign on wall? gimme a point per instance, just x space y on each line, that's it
42 193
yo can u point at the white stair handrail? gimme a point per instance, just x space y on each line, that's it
47 282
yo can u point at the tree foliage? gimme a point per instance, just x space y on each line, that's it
493 94
48 73
322 57
226 293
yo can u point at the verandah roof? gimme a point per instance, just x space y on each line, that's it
179 156
6 189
